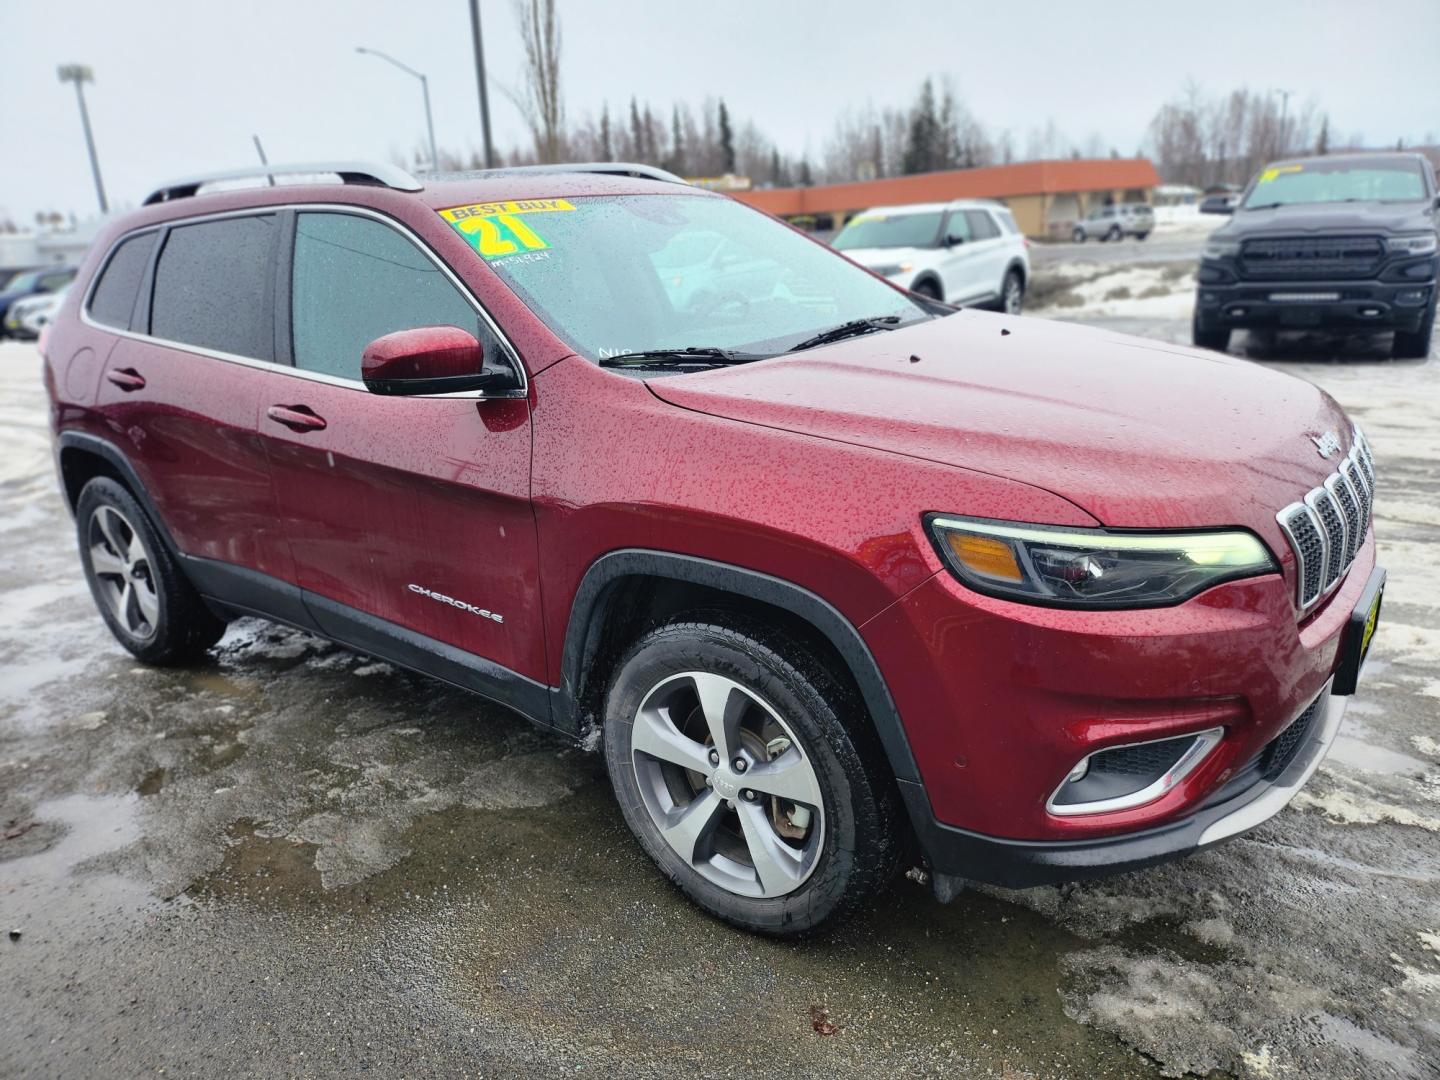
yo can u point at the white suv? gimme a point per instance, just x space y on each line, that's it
1115 223
965 252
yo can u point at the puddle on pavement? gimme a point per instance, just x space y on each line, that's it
152 782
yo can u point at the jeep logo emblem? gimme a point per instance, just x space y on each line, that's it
1328 443
725 785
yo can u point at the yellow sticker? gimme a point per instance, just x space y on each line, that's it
495 229
1271 174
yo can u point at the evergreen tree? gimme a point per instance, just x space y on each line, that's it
677 143
922 145
607 151
637 136
727 140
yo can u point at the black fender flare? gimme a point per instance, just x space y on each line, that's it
113 456
583 633
1016 264
929 277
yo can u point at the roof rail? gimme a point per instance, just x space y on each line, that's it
609 168
350 172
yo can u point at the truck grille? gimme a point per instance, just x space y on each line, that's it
1320 257
1327 528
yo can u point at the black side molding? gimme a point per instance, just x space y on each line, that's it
582 635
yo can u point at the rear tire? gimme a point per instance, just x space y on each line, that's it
1206 337
1141 235
928 289
1115 234
1415 344
1012 293
145 599
1078 235
757 860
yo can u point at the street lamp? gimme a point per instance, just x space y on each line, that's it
80 74
424 89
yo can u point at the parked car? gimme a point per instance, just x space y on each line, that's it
1342 242
33 283
26 318
854 576
1220 204
1115 222
967 252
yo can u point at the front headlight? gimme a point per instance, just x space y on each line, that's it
891 269
1412 244
1089 568
1220 249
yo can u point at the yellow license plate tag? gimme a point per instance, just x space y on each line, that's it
1372 619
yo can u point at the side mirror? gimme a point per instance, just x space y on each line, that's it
954 241
426 360
1225 208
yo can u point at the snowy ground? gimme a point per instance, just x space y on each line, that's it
295 861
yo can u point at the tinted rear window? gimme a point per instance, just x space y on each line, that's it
114 297
212 286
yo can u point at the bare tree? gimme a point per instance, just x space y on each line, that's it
539 99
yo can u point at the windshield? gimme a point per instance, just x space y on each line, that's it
613 275
1340 180
890 231
26 279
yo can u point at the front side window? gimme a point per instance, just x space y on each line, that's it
890 231
1338 180
212 286
633 273
113 300
356 279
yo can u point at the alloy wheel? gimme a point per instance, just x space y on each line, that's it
727 785
1013 295
124 572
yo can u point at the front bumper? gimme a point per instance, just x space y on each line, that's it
1300 305
1248 798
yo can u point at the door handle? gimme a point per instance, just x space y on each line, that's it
126 379
296 417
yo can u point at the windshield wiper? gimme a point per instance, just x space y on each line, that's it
853 328
702 354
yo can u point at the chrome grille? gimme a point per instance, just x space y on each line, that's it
1300 257
1327 528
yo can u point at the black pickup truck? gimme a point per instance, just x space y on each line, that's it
1346 242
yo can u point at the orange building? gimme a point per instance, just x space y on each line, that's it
1046 197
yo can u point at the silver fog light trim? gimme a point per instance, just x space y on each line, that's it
1199 749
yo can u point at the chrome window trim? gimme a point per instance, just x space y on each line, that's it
511 353
1185 764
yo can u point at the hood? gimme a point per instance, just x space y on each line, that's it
1319 218
889 256
1135 432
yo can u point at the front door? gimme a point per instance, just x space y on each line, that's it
414 511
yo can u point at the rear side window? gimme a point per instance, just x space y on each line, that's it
982 225
113 300
212 286
356 279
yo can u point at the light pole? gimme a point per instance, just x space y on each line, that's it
480 78
79 74
1284 111
424 89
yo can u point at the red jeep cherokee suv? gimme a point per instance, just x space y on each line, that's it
837 573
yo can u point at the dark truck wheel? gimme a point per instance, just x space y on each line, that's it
1415 344
1206 337
748 778
144 598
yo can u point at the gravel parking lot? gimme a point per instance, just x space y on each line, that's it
297 861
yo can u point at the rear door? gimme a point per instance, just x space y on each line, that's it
990 252
414 511
179 391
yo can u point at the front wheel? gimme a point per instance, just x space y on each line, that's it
1078 235
928 289
749 776
1414 344
1207 337
1115 234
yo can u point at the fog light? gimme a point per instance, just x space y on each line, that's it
1237 313
1122 777
1369 312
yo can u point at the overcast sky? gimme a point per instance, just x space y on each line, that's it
180 85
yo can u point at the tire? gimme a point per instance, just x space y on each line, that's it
141 592
929 289
1078 235
1012 293
1115 234
797 729
1414 344
1141 235
1205 337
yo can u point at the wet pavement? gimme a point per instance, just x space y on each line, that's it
298 861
